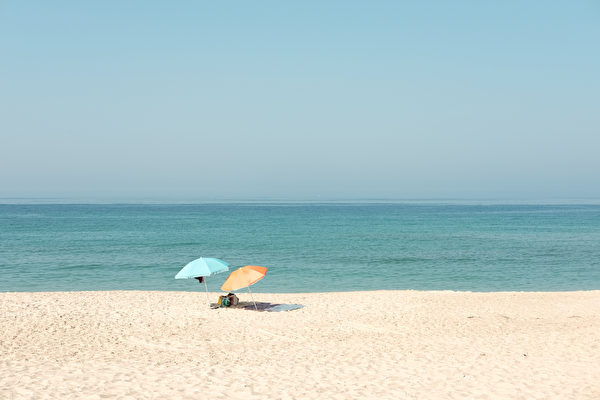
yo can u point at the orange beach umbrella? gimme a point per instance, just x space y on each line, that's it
244 277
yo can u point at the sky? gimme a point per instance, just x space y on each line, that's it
306 100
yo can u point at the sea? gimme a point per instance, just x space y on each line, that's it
307 246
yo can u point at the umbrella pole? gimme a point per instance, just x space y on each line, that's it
206 287
252 297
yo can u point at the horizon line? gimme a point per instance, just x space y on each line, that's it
14 200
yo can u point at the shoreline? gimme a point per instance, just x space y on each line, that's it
373 344
217 293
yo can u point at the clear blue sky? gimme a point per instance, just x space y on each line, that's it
303 99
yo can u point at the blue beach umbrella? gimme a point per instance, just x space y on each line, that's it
201 268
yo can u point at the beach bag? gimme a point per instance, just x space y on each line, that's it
224 301
233 299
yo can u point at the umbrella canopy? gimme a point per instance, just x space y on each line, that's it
202 266
244 277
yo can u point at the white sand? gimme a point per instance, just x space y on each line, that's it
386 344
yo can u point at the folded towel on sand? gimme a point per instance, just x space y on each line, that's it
284 307
271 307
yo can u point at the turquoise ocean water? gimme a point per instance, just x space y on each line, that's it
307 247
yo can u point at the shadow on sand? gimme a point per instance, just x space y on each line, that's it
262 306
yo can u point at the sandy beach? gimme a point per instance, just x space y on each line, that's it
383 344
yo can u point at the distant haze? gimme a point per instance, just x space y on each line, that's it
300 100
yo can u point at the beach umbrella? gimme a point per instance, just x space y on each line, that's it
201 268
244 277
